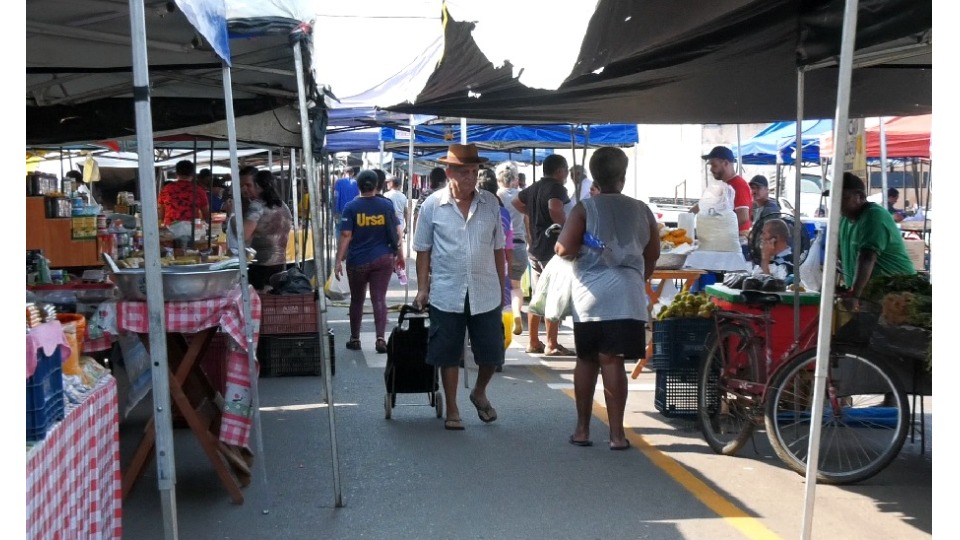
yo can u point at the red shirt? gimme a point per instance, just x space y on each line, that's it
177 199
742 198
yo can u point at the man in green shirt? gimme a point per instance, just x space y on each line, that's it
870 241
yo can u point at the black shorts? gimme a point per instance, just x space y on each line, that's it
621 337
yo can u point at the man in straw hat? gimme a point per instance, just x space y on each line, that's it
460 271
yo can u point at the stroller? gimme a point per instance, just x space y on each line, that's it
407 371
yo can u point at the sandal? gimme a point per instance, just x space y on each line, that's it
560 351
353 344
381 345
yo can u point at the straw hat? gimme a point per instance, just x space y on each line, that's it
462 154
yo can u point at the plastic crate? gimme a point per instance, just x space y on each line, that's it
288 314
45 402
679 343
675 393
290 355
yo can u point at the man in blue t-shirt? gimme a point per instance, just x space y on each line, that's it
344 190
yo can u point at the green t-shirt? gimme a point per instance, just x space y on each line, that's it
875 230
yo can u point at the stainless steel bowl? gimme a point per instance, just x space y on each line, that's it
177 285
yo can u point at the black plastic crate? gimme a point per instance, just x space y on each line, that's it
680 343
675 393
290 355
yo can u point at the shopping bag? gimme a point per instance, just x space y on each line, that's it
507 328
336 289
560 296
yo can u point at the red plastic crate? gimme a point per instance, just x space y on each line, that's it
288 314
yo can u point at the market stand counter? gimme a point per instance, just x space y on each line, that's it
73 474
221 424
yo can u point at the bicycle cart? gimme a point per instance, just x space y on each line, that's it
743 385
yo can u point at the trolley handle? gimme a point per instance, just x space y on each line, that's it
408 311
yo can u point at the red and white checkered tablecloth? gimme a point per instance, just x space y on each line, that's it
190 317
73 475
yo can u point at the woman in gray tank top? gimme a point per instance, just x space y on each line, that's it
614 241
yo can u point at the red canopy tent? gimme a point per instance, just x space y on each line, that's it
907 137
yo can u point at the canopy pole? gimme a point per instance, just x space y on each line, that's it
163 423
883 165
797 225
573 158
210 191
295 207
410 201
840 131
463 131
312 186
244 278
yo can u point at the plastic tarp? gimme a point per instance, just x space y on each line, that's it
650 62
779 138
495 156
907 137
518 136
79 73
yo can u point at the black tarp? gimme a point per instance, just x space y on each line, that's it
725 61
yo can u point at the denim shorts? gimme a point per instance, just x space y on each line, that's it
447 331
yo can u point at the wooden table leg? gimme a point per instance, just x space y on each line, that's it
195 399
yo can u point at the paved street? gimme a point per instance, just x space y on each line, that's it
515 478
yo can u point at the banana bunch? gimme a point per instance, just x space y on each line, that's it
670 237
686 305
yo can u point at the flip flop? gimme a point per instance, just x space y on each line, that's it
486 412
575 442
453 424
560 351
624 447
536 350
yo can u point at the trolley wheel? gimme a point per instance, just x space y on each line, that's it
865 415
727 417
387 406
431 398
438 399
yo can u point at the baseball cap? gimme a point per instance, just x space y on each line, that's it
759 180
721 152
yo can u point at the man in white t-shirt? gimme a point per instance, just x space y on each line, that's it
395 194
581 182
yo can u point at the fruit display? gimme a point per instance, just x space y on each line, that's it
687 305
671 237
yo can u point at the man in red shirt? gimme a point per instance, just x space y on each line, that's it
183 200
723 167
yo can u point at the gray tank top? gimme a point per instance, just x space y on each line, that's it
609 282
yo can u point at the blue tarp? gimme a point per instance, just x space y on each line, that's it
495 156
502 136
780 138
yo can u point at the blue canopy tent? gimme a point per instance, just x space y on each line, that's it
780 138
495 156
505 136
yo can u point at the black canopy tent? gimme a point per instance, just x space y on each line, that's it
736 61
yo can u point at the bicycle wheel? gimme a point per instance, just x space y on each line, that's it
727 415
864 422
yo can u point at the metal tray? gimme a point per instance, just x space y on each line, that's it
180 285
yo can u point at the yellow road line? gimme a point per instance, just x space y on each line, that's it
726 509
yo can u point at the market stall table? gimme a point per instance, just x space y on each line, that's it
688 277
220 423
73 474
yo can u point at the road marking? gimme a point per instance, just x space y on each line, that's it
735 516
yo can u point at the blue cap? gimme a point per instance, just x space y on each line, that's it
721 152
